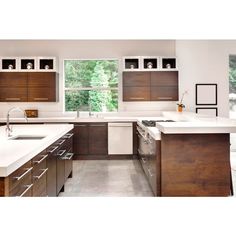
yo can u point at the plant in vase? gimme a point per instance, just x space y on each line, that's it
180 105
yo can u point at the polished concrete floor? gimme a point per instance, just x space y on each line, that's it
107 178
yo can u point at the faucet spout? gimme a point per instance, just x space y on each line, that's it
8 128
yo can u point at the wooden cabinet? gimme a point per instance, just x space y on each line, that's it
150 86
81 146
28 87
98 139
13 87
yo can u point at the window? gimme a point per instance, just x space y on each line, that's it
91 83
232 86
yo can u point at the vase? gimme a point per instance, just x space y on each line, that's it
180 108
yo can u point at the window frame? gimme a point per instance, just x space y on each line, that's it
90 88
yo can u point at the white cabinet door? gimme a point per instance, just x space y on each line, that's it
120 138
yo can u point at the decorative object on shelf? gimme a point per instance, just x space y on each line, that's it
206 94
29 66
211 111
168 66
46 67
10 67
180 105
131 66
149 65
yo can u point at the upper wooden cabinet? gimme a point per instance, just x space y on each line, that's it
150 86
28 87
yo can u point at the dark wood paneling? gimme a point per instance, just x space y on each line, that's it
136 94
13 94
13 79
80 141
41 94
98 143
164 78
195 165
136 79
168 93
42 79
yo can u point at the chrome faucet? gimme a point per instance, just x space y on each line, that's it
8 128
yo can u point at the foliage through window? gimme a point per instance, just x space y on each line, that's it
232 85
91 83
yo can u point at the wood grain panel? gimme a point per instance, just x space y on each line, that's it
13 79
195 165
136 94
136 79
164 78
164 93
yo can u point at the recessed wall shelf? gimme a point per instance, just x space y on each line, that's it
9 63
131 63
150 63
27 63
168 63
47 63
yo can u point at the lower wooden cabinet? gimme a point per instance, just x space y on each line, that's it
44 175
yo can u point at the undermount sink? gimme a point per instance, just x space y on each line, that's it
27 137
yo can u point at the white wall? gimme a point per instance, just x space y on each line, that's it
86 49
205 61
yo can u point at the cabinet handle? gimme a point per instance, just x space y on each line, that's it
12 99
144 160
68 135
81 125
136 98
61 152
39 176
51 151
28 187
162 98
68 156
97 125
25 173
40 99
43 158
61 142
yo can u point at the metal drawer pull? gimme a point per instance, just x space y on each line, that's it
149 172
164 97
97 125
137 98
25 173
61 152
68 135
68 156
61 142
12 99
39 176
40 99
51 151
81 125
27 189
43 158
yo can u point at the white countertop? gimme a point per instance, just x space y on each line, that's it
15 153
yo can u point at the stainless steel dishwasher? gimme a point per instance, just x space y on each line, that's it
120 138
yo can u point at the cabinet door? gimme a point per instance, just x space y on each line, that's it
164 78
13 79
41 94
136 94
98 144
42 79
52 175
80 140
136 79
164 93
13 94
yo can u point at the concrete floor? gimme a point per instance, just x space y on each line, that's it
107 178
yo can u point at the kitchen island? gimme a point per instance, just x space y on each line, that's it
32 153
195 155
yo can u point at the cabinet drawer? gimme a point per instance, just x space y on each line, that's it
13 94
17 177
164 93
41 94
169 78
40 184
40 158
136 79
23 188
136 94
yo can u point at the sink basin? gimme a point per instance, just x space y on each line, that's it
27 137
